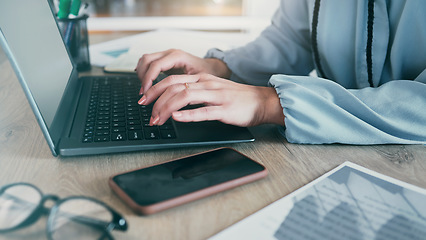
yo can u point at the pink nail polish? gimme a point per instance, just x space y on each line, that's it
142 100
155 120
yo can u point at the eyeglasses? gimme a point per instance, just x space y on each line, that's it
21 204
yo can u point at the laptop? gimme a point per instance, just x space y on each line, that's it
93 114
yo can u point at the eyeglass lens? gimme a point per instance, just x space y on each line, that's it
79 218
17 203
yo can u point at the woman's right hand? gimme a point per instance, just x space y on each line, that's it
176 62
218 99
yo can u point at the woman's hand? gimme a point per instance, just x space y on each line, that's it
223 100
177 62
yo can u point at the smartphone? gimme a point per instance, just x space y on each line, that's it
176 182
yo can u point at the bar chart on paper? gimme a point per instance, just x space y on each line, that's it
349 202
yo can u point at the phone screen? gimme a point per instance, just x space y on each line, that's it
162 182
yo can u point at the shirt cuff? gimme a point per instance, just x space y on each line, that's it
215 53
219 54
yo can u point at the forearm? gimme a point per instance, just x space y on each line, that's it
271 107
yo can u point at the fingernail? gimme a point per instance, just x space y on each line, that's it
155 120
141 91
177 114
142 100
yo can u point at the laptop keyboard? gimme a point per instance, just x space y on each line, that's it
115 115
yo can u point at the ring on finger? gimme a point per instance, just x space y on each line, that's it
187 85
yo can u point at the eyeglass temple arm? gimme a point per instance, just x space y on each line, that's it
96 223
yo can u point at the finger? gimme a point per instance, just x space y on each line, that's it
171 60
172 101
207 113
202 84
198 81
143 65
158 89
146 59
180 85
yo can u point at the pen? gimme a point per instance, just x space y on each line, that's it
75 7
68 33
64 8
83 8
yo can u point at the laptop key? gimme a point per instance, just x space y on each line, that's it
118 129
130 118
102 133
168 134
103 127
133 122
133 128
135 135
166 127
88 134
118 136
114 115
119 124
151 133
119 119
102 139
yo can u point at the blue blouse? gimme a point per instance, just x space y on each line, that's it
343 108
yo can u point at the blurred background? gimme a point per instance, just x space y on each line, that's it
134 8
114 19
211 15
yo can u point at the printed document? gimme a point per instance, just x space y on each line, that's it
349 202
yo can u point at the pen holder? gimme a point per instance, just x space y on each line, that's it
76 38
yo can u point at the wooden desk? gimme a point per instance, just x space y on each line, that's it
25 157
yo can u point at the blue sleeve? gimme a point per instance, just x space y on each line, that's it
283 47
321 111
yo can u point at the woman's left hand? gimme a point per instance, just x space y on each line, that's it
221 99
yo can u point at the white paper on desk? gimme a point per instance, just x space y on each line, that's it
349 202
104 53
194 42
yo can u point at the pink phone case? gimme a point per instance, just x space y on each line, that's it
150 209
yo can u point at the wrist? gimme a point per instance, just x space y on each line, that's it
218 68
273 111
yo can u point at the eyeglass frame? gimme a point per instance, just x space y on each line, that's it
117 223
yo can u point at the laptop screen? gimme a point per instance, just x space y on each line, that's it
39 54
